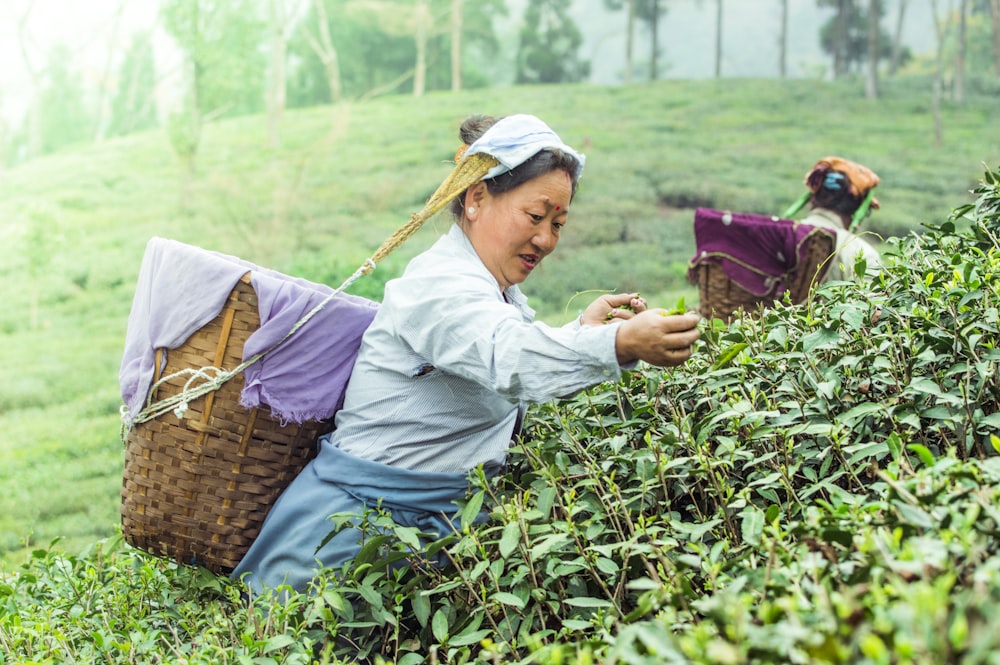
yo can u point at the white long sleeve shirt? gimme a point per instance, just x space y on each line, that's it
849 246
450 362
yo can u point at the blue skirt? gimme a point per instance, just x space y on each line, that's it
288 552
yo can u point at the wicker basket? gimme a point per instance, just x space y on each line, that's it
197 489
720 297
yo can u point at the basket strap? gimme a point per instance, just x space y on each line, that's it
795 207
468 171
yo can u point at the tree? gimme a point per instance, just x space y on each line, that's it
224 71
994 7
33 143
101 124
629 7
322 46
974 45
362 48
132 102
897 39
959 89
549 45
783 41
477 45
835 35
871 82
280 13
718 38
650 12
939 33
62 113
846 36
456 44
423 23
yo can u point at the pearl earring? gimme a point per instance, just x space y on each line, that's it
472 210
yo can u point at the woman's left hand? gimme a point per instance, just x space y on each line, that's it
611 307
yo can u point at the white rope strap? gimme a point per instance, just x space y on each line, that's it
207 379
201 382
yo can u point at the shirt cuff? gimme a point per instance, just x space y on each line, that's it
600 349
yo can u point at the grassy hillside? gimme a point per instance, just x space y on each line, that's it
73 227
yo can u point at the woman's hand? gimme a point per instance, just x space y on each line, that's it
657 338
622 306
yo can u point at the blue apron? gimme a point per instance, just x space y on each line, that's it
285 552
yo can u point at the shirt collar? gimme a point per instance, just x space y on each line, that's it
457 237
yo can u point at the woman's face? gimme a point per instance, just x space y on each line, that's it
512 232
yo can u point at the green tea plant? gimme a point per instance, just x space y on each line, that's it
818 484
812 482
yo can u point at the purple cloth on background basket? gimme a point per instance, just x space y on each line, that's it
755 251
182 288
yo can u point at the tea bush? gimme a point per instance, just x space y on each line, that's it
818 484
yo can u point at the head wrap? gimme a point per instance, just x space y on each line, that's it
515 139
860 179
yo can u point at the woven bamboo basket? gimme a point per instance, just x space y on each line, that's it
721 297
197 489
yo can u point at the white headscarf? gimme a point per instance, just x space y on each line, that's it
515 139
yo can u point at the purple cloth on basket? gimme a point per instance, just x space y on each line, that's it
181 288
178 291
755 251
305 377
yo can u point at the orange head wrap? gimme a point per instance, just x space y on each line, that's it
860 178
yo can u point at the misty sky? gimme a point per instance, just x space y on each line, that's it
687 38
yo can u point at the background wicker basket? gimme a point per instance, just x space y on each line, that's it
197 489
720 296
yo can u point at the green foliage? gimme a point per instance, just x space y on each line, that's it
375 49
111 605
184 133
223 66
851 45
549 44
812 483
75 225
817 484
132 107
62 115
221 42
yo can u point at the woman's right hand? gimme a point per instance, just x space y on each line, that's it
658 338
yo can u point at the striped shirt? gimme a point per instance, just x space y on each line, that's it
450 363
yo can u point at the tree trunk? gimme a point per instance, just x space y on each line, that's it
276 82
101 122
840 41
629 38
325 51
34 121
422 19
959 91
938 76
783 41
718 38
897 39
654 45
871 85
995 24
456 44
194 119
